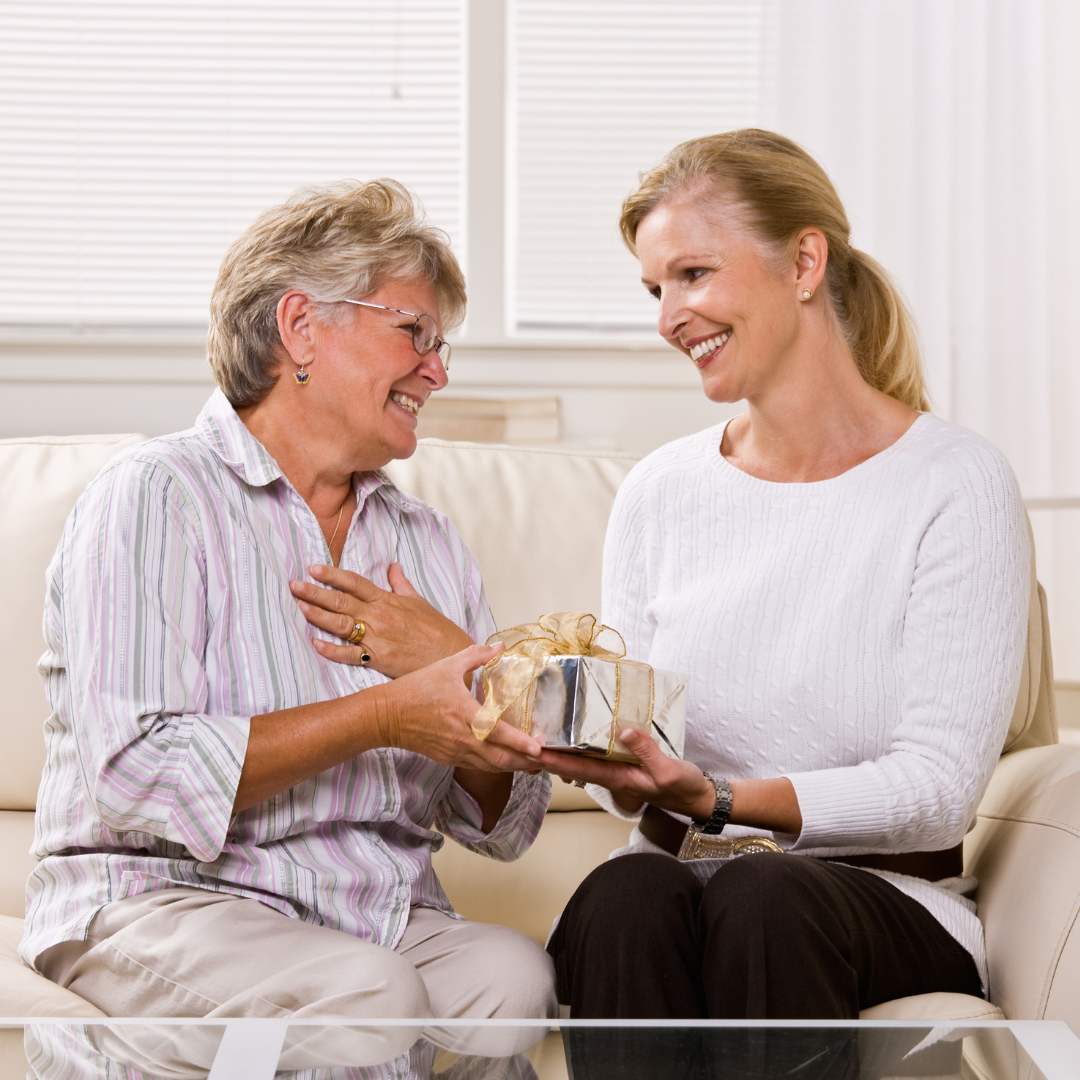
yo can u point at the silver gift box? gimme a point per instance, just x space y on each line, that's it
581 703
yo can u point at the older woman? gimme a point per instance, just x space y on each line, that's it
231 823
845 579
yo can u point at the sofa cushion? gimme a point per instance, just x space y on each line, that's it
16 862
40 479
934 1007
25 993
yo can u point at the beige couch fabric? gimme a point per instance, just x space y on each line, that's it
1025 851
934 1007
40 479
1034 721
534 519
23 993
16 862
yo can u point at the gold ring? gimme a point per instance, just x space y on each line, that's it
359 630
365 658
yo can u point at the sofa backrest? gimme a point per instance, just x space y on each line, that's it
1034 720
535 520
40 479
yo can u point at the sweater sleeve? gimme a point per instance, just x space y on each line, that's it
963 636
626 584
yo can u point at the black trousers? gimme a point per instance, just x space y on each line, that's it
769 937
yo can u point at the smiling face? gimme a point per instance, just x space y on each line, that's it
370 380
725 302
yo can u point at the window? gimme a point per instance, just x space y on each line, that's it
598 89
140 138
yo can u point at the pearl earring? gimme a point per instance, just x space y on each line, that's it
806 294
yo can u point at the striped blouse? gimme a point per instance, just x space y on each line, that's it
169 623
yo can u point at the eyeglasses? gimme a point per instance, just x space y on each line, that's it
424 338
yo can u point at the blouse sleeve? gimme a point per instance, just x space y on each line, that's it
131 633
963 638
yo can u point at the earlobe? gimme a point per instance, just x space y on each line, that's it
296 331
810 265
302 376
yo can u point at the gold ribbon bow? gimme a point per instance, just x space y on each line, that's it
528 648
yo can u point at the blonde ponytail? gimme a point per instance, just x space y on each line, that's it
784 190
878 328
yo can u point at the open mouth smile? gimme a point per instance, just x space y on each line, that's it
409 404
705 351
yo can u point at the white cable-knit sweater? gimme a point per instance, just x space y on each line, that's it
861 636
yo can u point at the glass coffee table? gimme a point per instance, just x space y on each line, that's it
505 1050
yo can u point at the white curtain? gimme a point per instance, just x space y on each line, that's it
951 129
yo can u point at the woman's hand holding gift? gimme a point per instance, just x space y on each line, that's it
679 786
672 785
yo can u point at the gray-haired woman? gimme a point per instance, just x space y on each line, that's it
231 823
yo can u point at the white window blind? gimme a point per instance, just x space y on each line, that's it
600 90
138 138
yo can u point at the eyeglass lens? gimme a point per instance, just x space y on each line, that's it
424 338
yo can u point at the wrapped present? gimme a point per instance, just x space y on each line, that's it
557 682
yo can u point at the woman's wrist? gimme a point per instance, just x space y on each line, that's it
388 710
627 803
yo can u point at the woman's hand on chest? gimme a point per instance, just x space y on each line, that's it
402 632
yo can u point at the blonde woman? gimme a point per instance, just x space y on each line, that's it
844 577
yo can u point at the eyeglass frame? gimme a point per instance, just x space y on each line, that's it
437 344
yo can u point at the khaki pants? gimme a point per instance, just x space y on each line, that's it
185 952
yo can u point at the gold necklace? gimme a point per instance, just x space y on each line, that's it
337 525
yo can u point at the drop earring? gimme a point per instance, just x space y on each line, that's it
806 294
302 376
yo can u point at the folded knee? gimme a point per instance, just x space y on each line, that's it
523 978
646 881
762 889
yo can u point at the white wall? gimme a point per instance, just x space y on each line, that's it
632 400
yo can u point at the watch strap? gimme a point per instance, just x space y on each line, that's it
715 823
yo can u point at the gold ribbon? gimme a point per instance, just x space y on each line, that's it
511 676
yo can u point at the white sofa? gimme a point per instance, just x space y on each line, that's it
536 520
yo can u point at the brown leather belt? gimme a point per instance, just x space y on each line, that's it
667 833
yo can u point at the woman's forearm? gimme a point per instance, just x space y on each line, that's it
765 804
427 712
287 746
761 804
490 790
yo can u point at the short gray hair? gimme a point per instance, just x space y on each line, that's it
339 240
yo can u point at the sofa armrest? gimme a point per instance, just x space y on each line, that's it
1025 851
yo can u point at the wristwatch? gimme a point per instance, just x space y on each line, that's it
714 825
